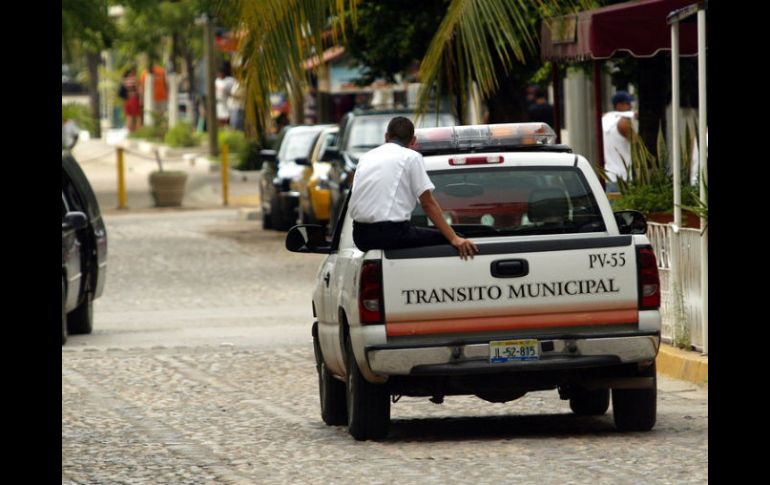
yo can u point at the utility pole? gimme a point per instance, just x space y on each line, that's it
208 58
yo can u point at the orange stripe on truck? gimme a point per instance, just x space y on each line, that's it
518 322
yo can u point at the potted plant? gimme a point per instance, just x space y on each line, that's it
701 208
650 188
167 186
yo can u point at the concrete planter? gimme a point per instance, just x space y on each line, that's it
167 188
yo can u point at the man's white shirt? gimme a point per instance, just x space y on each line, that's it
388 183
617 149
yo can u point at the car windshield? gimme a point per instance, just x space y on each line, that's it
368 131
296 144
514 201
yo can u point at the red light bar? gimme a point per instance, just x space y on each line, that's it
476 160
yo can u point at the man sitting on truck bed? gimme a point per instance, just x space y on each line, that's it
388 183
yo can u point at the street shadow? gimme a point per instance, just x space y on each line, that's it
556 426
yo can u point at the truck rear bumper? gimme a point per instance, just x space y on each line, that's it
474 358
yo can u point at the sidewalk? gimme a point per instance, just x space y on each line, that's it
203 189
683 365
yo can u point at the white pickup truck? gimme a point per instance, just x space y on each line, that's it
563 294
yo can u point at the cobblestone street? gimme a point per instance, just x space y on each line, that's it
200 370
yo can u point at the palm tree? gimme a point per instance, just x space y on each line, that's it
276 37
474 39
479 40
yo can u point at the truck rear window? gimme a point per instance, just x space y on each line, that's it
514 201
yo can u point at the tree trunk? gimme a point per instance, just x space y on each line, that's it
93 59
191 84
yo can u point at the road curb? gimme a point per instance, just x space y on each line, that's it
683 365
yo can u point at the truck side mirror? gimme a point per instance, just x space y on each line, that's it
267 155
74 221
331 155
308 238
631 222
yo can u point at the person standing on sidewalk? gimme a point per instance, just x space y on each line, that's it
388 183
132 106
159 88
617 131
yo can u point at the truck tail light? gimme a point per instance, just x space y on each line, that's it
370 301
649 282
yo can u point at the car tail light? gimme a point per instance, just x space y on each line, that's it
649 282
370 304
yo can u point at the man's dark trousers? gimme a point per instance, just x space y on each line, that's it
394 235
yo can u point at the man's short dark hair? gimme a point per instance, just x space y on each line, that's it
402 129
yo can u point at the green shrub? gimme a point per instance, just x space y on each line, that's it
249 156
151 133
651 188
181 135
156 132
236 140
80 113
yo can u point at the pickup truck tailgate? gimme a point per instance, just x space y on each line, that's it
511 285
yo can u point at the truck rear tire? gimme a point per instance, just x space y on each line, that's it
331 391
368 404
589 403
636 409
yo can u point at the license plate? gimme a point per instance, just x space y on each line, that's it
508 350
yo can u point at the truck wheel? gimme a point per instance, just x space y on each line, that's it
267 221
635 409
63 315
279 220
331 391
81 320
368 404
590 403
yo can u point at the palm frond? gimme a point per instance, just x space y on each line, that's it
475 35
278 36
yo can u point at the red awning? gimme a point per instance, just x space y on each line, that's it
637 27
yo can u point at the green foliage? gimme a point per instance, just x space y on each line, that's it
236 141
86 25
181 135
249 156
476 36
388 42
80 113
700 207
653 198
145 27
650 187
284 34
245 150
155 133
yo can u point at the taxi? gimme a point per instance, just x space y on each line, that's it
313 183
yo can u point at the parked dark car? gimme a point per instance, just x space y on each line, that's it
280 168
360 131
84 249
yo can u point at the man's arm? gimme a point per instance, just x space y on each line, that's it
465 247
625 128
